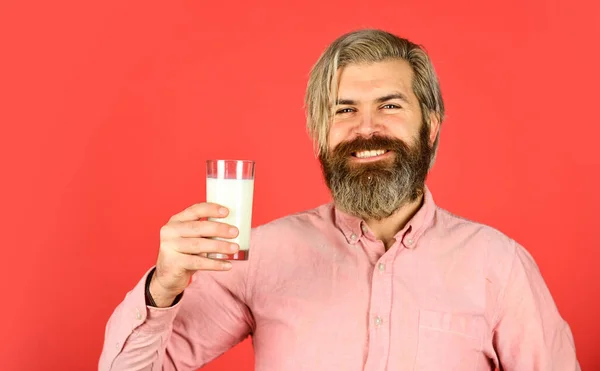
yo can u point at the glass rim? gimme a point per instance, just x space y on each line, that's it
230 160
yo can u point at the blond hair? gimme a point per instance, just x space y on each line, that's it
368 46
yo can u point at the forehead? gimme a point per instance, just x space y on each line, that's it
369 80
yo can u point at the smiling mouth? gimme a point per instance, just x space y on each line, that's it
371 153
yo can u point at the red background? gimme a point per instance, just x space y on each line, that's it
110 108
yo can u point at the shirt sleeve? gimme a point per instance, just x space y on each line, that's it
210 318
530 334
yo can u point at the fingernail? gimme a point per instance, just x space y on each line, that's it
232 231
226 265
223 211
233 247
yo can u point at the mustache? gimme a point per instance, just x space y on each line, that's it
367 144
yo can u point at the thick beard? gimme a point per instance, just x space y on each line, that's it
374 191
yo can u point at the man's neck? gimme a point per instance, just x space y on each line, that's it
386 229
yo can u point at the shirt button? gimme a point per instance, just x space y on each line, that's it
118 345
364 228
138 315
378 321
381 267
409 241
353 237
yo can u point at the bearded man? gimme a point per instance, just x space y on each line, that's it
379 279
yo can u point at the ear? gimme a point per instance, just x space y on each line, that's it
434 127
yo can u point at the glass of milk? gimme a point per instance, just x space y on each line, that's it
230 183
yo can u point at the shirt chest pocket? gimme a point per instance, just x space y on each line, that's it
450 341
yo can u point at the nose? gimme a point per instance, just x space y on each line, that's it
366 125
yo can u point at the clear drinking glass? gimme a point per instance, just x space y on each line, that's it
230 183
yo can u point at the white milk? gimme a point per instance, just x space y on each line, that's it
236 195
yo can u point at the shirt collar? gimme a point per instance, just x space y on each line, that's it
354 228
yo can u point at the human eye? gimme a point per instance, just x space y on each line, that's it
344 110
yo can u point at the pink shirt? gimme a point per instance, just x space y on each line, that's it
319 292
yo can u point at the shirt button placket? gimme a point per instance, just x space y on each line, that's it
381 305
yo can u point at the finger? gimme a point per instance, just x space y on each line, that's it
197 263
203 245
201 210
203 228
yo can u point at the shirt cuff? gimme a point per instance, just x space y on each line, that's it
151 319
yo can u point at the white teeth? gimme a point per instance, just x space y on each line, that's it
372 153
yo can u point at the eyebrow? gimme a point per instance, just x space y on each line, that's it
382 99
